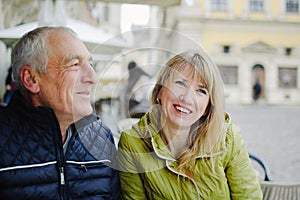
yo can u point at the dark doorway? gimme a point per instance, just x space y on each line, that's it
258 82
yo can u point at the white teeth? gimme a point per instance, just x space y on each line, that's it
182 109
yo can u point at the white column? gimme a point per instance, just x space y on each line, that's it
207 8
282 10
1 16
52 13
246 9
60 13
45 16
230 9
267 9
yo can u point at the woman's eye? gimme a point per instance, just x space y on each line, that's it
202 91
180 83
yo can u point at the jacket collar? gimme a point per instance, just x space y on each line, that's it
147 129
40 114
84 121
20 106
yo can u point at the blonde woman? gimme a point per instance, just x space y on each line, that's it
186 147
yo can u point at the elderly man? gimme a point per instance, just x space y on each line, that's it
52 146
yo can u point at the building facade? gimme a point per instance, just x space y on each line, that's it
252 41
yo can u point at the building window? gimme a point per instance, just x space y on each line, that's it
256 5
292 6
287 77
229 74
218 5
288 51
226 49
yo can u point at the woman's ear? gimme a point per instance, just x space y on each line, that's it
29 78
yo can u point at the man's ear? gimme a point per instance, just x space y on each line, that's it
30 79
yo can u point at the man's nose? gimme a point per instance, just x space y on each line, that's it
89 74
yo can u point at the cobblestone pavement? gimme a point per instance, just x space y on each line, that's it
272 133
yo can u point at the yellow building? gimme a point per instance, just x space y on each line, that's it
250 40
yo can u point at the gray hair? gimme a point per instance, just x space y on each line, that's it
32 50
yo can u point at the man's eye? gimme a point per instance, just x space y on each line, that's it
75 64
92 64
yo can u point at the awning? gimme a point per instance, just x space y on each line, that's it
161 3
96 40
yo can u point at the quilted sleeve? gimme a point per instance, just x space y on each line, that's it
131 182
242 179
115 179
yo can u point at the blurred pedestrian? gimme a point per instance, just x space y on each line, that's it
52 145
128 98
256 90
10 86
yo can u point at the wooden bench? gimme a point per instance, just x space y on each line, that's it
280 191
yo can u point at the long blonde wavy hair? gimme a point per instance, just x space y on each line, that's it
206 132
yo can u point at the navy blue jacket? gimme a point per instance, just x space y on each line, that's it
34 166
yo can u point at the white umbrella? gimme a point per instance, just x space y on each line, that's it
96 40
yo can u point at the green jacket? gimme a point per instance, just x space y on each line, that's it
148 169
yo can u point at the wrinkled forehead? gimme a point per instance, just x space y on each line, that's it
63 43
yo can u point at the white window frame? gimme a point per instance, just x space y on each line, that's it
219 5
293 3
256 5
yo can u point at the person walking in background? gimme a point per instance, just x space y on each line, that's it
127 97
52 145
10 86
186 146
256 90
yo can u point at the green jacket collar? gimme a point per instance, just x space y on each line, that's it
150 133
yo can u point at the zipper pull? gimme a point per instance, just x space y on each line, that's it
84 168
62 176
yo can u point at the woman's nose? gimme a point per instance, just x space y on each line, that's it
187 95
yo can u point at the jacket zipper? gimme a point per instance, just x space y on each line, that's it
62 176
61 161
192 180
172 170
60 156
90 165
